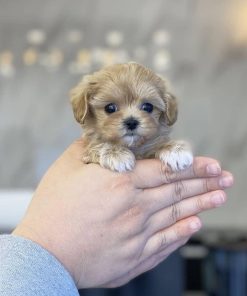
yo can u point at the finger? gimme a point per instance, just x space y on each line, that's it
158 247
184 209
146 265
157 258
76 148
151 172
167 236
177 191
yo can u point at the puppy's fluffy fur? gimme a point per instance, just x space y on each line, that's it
126 112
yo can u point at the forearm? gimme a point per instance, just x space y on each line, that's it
28 269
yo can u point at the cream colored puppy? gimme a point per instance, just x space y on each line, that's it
126 113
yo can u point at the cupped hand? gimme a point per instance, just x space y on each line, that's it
107 228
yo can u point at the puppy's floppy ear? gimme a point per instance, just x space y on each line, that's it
171 108
79 98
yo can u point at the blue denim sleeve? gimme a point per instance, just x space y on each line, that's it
28 269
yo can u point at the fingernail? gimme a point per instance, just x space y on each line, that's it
218 199
195 225
214 169
226 181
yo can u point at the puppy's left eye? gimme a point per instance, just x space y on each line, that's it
147 107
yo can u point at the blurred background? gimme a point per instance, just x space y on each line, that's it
200 46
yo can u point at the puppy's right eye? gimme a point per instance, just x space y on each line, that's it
111 108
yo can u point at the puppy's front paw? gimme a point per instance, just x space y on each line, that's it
117 158
177 155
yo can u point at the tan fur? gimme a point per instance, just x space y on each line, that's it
128 86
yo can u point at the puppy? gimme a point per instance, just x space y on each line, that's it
126 112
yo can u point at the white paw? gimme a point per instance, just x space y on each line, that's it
178 157
117 159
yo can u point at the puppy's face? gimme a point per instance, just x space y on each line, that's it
126 104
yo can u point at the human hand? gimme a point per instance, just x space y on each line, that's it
106 228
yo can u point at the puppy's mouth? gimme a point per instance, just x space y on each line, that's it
132 139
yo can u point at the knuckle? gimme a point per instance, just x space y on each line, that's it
205 185
198 167
162 256
134 248
175 213
132 251
176 233
152 262
199 204
167 174
135 220
134 212
162 240
194 169
179 190
125 180
123 184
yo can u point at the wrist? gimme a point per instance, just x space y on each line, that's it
28 232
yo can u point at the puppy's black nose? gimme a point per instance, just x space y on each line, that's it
131 123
